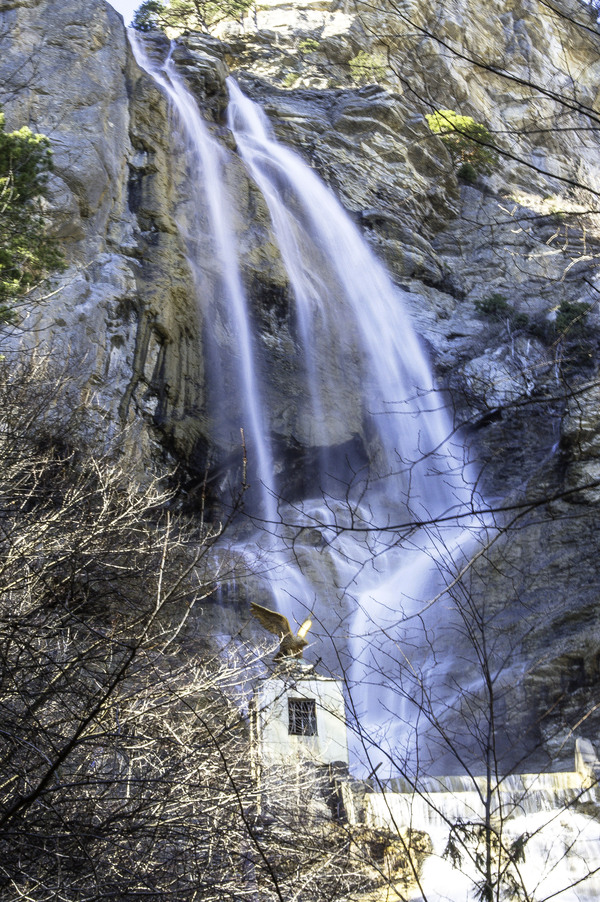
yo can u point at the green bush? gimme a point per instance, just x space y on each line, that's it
26 252
367 68
290 79
467 173
495 306
148 16
519 321
571 318
308 45
470 143
195 15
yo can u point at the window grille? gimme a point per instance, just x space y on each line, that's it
302 717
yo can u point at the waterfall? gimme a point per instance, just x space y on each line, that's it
339 286
546 813
369 412
344 296
207 161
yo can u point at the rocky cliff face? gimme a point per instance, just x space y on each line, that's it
488 266
123 317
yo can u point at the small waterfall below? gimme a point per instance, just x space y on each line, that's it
544 815
386 515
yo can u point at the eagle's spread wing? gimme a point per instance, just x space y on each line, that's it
304 628
272 620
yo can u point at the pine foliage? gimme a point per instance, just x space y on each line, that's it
26 253
187 15
470 143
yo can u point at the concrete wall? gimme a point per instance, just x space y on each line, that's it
271 720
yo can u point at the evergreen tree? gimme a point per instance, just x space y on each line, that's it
192 15
470 143
26 253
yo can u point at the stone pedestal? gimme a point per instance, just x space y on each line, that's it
299 717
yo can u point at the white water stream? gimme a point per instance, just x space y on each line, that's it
207 162
560 840
343 294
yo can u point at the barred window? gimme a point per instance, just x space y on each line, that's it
302 717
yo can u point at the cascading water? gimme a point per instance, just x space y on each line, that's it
340 287
543 814
343 296
369 395
207 160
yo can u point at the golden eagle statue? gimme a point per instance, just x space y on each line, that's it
291 645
